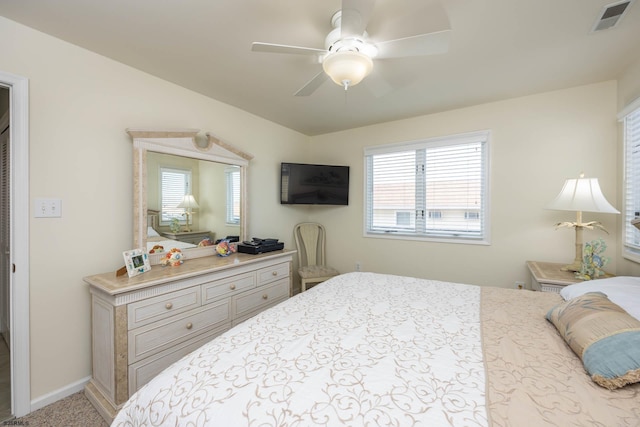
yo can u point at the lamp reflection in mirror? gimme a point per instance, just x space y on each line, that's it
188 203
581 195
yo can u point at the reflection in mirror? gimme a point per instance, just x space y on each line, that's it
215 187
169 165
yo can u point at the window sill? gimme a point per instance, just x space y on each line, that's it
399 236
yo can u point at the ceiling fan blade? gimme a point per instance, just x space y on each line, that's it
355 17
282 48
423 44
312 84
377 84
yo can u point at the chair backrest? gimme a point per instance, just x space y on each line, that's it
310 238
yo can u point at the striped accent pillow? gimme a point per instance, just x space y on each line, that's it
603 335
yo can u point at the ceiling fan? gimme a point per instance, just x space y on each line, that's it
349 51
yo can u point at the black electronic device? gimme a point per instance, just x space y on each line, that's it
309 184
257 246
229 239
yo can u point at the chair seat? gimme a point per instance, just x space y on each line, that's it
315 271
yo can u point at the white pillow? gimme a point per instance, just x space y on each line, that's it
622 290
151 232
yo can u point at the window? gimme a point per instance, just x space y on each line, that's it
435 214
403 219
441 182
232 177
174 184
631 120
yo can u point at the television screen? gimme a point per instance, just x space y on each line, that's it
305 184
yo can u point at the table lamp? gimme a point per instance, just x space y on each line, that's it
188 203
581 195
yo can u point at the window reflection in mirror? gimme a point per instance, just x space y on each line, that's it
215 187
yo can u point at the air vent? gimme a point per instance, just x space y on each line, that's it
611 15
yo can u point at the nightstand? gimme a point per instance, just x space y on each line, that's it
194 237
548 276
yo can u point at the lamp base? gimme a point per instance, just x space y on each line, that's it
576 266
577 261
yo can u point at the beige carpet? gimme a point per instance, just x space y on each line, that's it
5 381
71 411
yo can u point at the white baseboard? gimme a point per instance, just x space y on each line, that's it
56 395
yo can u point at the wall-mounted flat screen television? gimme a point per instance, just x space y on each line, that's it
306 184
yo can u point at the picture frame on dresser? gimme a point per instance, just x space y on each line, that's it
136 261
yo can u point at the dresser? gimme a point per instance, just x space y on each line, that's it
141 325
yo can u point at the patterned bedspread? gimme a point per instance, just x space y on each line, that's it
380 350
360 349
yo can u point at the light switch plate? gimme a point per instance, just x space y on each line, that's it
47 208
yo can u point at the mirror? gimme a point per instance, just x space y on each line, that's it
216 173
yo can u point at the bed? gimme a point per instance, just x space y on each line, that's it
155 239
167 244
373 349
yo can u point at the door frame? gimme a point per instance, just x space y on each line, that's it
19 237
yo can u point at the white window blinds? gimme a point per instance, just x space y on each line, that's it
174 184
632 181
441 182
232 176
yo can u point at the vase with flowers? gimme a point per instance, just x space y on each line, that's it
593 260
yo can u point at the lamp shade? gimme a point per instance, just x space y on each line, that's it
189 202
347 68
582 194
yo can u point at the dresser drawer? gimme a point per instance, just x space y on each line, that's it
231 285
275 272
261 298
151 339
142 372
163 306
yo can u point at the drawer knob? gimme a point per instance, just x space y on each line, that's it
168 306
275 273
265 296
189 325
232 287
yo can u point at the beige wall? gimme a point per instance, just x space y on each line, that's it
80 105
629 85
628 91
537 142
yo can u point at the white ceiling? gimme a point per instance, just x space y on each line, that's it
499 49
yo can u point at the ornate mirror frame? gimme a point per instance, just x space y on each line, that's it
180 142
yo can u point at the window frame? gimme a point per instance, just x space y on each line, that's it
631 183
484 238
188 184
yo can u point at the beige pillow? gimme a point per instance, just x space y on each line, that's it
606 338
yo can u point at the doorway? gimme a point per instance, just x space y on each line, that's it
14 237
5 244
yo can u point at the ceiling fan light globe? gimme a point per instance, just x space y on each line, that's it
347 66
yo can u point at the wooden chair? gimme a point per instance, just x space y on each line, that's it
310 241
